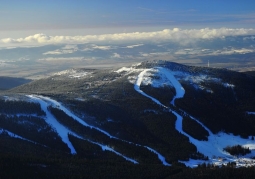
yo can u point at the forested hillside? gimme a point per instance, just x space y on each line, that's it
155 119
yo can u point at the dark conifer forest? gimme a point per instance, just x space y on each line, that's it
108 125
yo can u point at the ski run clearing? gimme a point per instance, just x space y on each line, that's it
213 148
63 132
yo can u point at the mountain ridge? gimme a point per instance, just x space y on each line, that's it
149 108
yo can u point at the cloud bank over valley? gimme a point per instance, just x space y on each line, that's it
40 54
175 34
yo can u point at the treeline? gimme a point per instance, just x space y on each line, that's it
172 144
33 161
237 150
90 151
164 94
16 107
34 129
211 172
139 153
194 129
126 108
223 110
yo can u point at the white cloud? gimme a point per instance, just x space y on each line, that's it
233 51
59 52
116 55
94 47
175 34
70 59
67 49
224 51
132 46
101 47
249 38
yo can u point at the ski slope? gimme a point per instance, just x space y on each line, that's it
51 120
63 131
161 71
213 148
13 135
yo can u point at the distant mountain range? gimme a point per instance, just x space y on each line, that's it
155 116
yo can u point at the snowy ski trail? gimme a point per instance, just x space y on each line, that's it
11 134
137 87
163 159
178 87
46 101
63 131
215 144
51 120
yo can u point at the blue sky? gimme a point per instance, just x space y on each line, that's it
103 32
68 17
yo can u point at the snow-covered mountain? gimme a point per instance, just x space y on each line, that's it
155 112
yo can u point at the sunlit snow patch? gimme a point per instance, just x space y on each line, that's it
73 73
165 76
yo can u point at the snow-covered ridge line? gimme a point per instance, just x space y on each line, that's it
46 101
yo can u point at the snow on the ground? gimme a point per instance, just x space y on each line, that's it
73 73
51 120
11 134
167 75
227 85
78 74
197 80
213 148
129 70
46 101
249 112
80 99
62 72
69 113
104 147
63 131
10 98
137 87
178 87
161 157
